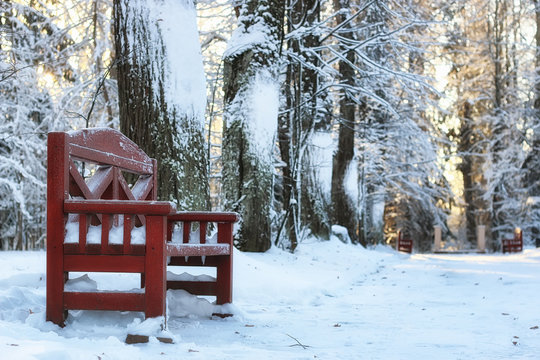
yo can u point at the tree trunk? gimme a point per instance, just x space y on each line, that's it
150 115
297 123
251 107
532 163
344 211
499 128
466 169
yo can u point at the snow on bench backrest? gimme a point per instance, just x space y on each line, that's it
113 154
100 164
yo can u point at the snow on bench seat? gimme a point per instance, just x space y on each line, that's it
178 249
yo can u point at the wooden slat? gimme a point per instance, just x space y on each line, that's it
225 233
78 180
106 158
210 261
195 216
128 194
142 187
104 263
177 249
124 187
83 229
127 233
105 228
204 288
104 301
108 140
100 181
115 249
202 232
186 231
73 248
118 207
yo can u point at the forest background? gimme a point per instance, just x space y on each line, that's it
310 117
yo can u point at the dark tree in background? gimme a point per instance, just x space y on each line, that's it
302 201
532 163
344 211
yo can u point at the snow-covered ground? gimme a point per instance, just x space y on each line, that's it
327 301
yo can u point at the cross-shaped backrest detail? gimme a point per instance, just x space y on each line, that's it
98 165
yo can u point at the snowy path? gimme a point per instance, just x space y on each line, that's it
339 301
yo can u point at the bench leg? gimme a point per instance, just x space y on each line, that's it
55 301
225 266
55 286
224 281
155 279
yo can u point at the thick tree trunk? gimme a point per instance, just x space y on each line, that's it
287 138
344 211
250 75
466 169
163 128
312 202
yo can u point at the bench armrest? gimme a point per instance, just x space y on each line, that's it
132 207
204 216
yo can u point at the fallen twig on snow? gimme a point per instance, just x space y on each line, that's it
299 343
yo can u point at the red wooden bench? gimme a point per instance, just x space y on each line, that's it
515 244
87 190
404 245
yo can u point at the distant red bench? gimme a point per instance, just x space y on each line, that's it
104 202
404 245
515 244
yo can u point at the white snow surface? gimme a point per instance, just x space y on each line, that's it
329 300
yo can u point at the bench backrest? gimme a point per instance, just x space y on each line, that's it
104 155
112 153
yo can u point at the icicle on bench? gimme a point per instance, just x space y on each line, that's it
404 245
100 223
515 244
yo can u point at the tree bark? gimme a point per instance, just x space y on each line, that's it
532 163
344 212
248 165
159 126
466 168
297 123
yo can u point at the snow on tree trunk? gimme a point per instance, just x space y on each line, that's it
317 183
251 107
162 93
